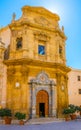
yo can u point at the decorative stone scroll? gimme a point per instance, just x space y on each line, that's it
41 36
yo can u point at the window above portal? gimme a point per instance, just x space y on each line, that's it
18 43
41 49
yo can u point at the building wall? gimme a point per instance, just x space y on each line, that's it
2 76
5 35
73 87
4 42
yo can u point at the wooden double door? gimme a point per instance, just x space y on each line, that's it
42 104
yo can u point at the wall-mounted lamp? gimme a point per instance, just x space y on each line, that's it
17 84
62 87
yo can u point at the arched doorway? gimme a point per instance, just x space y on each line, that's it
42 104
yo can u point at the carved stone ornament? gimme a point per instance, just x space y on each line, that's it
24 70
10 72
14 33
41 36
42 21
42 78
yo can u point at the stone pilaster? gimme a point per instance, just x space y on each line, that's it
58 77
33 101
10 84
53 101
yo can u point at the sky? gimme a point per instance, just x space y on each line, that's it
70 17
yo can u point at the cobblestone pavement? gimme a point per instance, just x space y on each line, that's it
70 125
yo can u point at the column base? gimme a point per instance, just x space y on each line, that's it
54 113
33 113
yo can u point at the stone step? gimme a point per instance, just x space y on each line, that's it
43 120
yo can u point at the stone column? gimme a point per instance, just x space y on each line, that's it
25 41
50 101
33 101
53 101
23 79
66 91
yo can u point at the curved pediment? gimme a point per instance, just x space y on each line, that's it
37 17
40 10
42 78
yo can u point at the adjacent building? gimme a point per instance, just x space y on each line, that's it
2 76
74 87
5 35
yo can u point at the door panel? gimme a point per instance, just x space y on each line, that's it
42 102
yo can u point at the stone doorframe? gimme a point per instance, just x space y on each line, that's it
42 82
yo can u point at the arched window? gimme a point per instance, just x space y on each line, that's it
19 43
60 50
6 53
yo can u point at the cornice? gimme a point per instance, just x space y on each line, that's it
16 25
31 62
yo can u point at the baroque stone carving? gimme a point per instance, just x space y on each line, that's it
41 36
11 71
41 20
24 70
42 78
14 33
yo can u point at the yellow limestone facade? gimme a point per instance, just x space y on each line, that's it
37 81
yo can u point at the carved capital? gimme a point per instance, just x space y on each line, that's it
58 75
10 71
14 33
24 70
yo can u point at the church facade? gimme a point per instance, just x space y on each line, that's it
37 80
